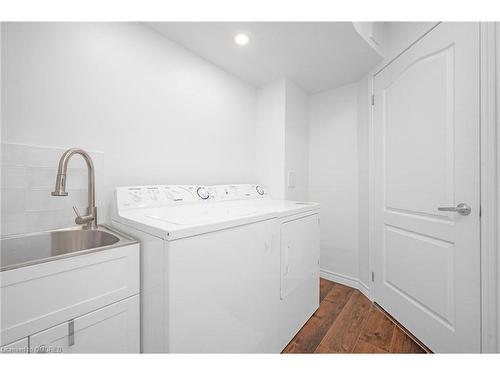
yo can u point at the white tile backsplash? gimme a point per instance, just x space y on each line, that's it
27 179
13 200
42 200
13 222
37 221
13 154
43 157
14 177
40 177
77 179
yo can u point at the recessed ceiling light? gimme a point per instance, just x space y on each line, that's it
241 39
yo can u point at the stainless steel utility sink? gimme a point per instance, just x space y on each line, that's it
28 249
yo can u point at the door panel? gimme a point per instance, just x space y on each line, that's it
412 279
418 142
426 156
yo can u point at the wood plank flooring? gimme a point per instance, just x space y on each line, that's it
348 322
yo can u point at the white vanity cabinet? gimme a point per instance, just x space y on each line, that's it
87 302
112 329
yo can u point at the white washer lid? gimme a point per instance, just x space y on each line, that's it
188 220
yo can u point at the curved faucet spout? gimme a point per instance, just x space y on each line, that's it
90 220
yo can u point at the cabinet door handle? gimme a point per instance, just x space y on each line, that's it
71 332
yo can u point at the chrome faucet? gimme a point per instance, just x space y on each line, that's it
89 221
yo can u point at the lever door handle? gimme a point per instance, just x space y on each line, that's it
462 208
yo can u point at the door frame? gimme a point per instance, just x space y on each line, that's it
489 181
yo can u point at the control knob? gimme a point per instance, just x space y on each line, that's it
260 190
202 192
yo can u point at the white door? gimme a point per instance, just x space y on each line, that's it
112 329
426 156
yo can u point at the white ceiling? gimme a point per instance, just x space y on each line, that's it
315 55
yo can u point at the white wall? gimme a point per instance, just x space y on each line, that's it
158 113
333 177
282 139
296 142
270 138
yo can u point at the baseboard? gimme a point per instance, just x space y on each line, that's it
363 288
338 278
346 280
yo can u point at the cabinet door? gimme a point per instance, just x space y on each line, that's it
112 329
16 347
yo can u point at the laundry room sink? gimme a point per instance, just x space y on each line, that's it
29 249
74 290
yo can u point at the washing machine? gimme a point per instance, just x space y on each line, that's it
224 269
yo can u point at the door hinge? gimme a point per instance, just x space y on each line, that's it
480 211
373 276
373 99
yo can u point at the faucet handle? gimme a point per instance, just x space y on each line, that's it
83 220
77 212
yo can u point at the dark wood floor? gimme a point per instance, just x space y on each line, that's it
348 322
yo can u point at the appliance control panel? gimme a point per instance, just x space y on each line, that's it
170 195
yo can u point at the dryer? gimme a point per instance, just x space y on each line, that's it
215 276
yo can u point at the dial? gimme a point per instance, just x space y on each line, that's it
202 192
260 190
